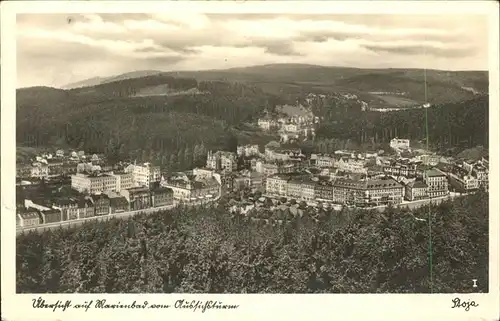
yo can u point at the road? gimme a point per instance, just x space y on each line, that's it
410 205
420 203
123 215
78 222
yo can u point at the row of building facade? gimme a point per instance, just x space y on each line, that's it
197 184
103 182
67 209
377 191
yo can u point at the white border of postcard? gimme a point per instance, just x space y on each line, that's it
18 307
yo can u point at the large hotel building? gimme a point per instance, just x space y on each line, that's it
101 182
342 190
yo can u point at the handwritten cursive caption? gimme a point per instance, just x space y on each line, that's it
466 305
193 305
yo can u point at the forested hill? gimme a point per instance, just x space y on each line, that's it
443 86
463 124
345 252
113 118
162 118
102 80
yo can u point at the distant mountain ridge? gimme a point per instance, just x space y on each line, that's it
94 81
478 80
378 88
103 80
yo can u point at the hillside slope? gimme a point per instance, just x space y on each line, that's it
102 80
118 119
290 80
443 86
157 115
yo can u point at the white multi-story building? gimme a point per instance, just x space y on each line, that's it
401 144
87 167
248 150
188 188
465 182
203 173
301 188
123 181
280 154
468 165
221 160
144 174
373 191
28 217
437 183
266 124
291 127
93 183
39 170
276 185
351 165
285 137
416 190
482 174
325 161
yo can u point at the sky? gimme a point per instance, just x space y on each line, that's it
57 49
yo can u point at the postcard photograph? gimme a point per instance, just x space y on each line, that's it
252 153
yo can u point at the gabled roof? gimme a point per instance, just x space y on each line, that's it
118 201
29 214
65 201
138 189
162 190
51 211
434 173
417 184
85 202
99 197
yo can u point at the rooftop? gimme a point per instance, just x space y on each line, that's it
291 110
83 202
368 184
65 201
162 190
273 144
382 183
28 214
99 196
302 179
434 173
287 176
417 184
116 201
138 189
51 211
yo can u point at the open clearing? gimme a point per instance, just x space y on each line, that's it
397 101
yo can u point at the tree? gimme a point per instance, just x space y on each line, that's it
173 161
232 143
162 252
188 157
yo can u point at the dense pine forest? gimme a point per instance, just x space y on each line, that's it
463 124
206 249
109 119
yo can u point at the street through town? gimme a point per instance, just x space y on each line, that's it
122 215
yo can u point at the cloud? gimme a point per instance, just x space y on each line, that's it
412 50
282 49
119 43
